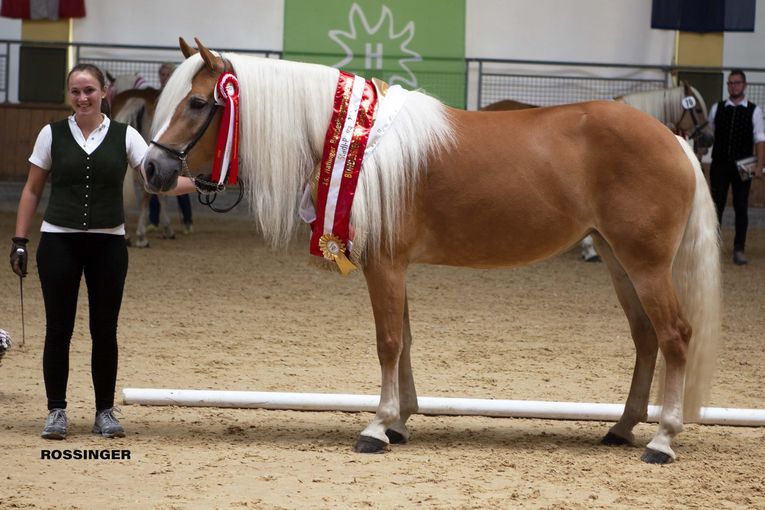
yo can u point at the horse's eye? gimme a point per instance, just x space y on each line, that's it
196 103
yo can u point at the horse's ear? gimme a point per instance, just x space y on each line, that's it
207 56
110 77
185 48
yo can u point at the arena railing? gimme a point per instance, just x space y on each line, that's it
537 82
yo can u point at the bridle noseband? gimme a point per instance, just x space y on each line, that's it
183 154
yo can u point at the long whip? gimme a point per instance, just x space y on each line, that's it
21 294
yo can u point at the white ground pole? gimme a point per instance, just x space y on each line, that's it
428 405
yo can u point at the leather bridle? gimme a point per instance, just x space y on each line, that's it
206 196
697 127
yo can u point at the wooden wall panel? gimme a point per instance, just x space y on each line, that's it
19 126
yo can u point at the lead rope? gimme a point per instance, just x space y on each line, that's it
207 190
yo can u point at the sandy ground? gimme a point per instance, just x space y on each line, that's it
218 310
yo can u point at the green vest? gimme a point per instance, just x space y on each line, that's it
86 190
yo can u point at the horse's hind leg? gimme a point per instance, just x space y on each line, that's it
651 276
388 296
398 432
646 347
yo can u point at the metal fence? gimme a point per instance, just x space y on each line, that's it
115 59
542 83
551 83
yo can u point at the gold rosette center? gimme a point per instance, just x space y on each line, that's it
333 248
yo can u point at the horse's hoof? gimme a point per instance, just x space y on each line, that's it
395 437
594 258
656 457
366 444
612 439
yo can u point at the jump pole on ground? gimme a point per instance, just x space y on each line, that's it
580 411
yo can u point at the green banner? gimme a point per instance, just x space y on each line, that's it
416 44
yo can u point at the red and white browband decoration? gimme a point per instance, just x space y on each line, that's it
344 145
226 161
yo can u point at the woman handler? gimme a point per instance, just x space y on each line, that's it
85 157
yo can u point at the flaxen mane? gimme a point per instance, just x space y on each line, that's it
286 108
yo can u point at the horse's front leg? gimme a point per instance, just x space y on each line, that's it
164 218
143 215
387 293
407 394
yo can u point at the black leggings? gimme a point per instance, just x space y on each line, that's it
721 177
61 261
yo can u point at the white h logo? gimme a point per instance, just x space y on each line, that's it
369 55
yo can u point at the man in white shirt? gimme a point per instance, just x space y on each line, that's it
738 128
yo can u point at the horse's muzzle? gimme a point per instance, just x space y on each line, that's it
705 139
160 171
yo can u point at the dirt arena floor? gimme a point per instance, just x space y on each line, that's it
218 310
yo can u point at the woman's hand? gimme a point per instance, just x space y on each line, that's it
19 255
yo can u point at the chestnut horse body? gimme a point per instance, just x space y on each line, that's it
483 189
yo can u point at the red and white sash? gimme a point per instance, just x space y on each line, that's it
344 145
226 161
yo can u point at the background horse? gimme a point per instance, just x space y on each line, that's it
666 105
663 104
459 188
135 106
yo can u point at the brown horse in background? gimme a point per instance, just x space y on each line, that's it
477 189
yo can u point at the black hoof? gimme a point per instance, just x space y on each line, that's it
612 439
655 457
594 258
394 437
366 444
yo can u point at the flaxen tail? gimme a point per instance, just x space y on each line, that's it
696 272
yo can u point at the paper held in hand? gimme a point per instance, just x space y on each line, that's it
746 167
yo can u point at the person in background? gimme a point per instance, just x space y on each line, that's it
738 128
184 201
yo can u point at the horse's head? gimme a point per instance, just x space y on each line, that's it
693 123
191 109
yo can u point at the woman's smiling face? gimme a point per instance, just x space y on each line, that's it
85 93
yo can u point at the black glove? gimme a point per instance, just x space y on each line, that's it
19 255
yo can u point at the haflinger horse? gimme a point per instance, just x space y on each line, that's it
136 108
682 109
586 245
463 188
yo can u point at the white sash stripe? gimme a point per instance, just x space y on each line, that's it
388 107
357 92
229 143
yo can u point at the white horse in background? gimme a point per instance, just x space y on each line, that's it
670 107
135 106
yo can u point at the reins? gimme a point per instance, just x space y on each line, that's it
207 190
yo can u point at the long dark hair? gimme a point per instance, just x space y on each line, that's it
98 75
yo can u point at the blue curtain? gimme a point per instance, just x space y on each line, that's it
704 15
